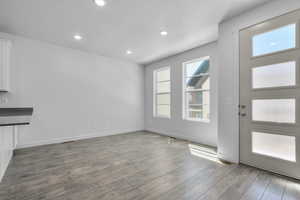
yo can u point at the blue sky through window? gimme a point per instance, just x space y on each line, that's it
197 67
276 40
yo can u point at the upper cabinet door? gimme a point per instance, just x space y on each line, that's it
5 50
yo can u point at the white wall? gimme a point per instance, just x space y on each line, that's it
205 133
228 51
74 94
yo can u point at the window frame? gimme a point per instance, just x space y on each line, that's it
185 90
156 93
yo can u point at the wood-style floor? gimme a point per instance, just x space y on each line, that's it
131 167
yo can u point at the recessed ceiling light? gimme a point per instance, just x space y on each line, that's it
77 37
163 33
129 52
100 3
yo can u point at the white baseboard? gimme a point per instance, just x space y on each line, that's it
170 134
176 135
79 137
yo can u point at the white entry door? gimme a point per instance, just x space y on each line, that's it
270 95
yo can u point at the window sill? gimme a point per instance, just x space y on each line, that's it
197 120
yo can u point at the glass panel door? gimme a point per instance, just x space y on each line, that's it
269 95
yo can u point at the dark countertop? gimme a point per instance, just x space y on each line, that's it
15 116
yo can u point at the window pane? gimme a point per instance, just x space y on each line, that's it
201 82
276 40
163 99
163 75
199 114
163 87
282 74
274 110
163 110
197 67
200 97
278 146
206 112
195 114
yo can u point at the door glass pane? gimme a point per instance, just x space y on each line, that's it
278 146
274 110
163 75
163 99
276 40
163 87
277 75
163 110
197 68
200 82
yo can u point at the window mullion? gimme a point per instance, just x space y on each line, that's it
198 75
161 93
163 81
197 90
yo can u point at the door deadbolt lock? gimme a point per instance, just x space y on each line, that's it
243 114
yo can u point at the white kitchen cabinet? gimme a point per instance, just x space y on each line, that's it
5 51
6 148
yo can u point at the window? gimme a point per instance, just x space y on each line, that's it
196 90
273 41
162 92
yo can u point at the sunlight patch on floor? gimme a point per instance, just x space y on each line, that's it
204 152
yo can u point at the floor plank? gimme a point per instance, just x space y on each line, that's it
275 189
